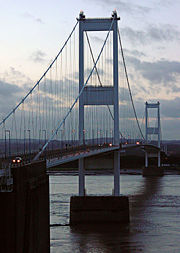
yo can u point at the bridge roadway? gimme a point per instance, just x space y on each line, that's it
77 154
88 151
61 156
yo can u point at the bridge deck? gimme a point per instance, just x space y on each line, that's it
77 155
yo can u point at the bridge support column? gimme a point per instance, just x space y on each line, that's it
95 210
24 212
159 159
146 159
116 173
81 177
151 171
99 209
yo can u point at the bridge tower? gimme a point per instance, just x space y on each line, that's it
101 95
99 209
155 130
152 130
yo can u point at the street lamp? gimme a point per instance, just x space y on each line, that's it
24 142
7 131
29 131
44 131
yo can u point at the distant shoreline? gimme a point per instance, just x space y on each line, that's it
74 171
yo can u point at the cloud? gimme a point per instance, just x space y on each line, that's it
97 39
87 72
14 76
56 90
32 17
8 89
158 33
170 108
124 95
134 52
9 95
161 71
169 114
123 6
170 129
39 20
38 56
166 3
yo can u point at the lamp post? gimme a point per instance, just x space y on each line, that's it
61 138
39 137
7 131
29 131
84 131
44 131
24 141
52 140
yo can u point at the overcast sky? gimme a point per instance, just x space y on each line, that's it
33 31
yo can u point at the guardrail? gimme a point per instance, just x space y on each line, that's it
6 179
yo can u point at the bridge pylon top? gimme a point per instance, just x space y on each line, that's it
152 130
91 95
83 17
152 105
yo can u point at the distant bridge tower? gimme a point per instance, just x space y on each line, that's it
152 130
104 95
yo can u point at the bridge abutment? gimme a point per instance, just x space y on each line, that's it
99 210
24 212
152 171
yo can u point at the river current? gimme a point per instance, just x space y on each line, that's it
154 215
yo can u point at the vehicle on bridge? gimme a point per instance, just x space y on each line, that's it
17 160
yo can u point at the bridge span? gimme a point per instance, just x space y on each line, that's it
78 101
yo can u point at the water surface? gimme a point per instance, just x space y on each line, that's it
154 216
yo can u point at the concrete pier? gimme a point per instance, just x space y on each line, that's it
152 171
24 212
99 210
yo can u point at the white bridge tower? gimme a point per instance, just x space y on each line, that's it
152 130
104 95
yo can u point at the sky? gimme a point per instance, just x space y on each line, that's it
32 32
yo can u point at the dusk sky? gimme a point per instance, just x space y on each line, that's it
32 32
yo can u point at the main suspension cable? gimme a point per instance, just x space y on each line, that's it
40 77
77 98
125 69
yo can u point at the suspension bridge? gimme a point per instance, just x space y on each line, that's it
81 106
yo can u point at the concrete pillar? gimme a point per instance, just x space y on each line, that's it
81 177
146 123
151 171
146 159
81 106
24 212
159 136
115 83
159 159
96 210
116 173
81 82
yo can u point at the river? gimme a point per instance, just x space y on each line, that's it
154 215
